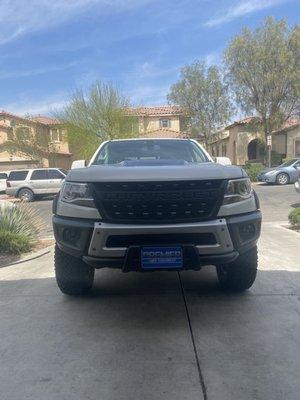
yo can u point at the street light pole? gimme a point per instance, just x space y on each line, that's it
269 146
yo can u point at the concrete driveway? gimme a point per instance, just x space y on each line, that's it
155 336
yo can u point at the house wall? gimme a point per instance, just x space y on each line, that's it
279 143
17 161
22 164
241 135
148 124
292 136
237 140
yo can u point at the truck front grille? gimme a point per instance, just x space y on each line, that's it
158 202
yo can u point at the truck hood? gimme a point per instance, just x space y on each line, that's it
121 173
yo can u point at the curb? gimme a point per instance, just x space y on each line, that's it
10 199
31 257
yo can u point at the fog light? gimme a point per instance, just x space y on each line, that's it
247 231
71 235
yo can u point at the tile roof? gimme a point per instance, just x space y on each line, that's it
289 123
11 115
156 111
45 120
39 119
243 121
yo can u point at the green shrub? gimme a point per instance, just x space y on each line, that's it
287 159
253 170
294 218
19 228
14 243
276 158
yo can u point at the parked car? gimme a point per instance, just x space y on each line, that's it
155 204
283 174
29 183
3 178
297 183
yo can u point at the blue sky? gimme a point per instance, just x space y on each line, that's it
49 48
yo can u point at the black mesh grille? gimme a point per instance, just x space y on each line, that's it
161 239
155 202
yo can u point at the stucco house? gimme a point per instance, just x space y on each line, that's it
243 141
156 122
52 131
161 121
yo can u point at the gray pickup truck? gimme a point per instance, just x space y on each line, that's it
155 204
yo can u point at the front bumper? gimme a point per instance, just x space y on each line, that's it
267 178
214 242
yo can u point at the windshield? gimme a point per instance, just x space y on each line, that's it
289 163
139 152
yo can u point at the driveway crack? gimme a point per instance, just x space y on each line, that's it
201 378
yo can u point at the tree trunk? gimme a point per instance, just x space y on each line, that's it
206 142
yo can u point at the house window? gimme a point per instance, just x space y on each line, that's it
297 148
55 135
165 123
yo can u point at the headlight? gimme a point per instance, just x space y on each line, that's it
237 190
77 193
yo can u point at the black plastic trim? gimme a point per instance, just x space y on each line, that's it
85 229
132 263
213 214
235 222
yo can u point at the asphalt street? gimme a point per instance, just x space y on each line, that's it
157 336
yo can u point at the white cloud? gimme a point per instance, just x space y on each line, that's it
240 9
19 17
25 105
36 71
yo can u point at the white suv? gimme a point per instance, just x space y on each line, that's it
30 183
3 177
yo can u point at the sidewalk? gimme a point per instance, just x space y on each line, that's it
279 247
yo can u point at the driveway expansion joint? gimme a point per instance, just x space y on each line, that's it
201 378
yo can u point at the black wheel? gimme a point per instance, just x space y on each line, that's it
282 178
240 274
73 276
26 195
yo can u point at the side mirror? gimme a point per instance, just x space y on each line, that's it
78 164
223 160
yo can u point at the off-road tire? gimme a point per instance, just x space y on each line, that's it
240 274
73 276
26 194
282 179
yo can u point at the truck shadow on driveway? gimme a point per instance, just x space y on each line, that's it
131 339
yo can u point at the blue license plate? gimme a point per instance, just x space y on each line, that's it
162 257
